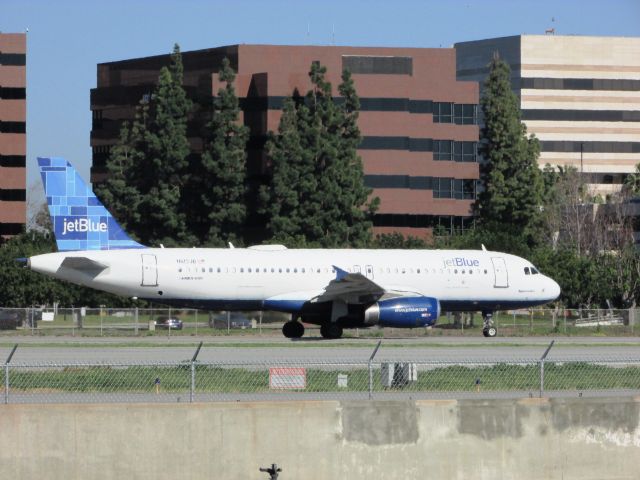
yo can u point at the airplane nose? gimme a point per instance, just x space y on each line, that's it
553 289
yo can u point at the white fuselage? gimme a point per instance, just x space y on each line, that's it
276 278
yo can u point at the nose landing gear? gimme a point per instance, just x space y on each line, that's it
488 328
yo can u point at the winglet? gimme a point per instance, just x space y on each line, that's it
340 273
80 221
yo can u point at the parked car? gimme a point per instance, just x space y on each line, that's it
236 320
169 323
10 319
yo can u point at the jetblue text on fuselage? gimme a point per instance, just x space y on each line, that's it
82 225
461 262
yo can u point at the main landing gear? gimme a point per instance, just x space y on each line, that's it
488 329
331 330
293 329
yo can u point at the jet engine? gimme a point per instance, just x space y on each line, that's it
403 312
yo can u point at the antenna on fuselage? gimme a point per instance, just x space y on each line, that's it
231 245
484 249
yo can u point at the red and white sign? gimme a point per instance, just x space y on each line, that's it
287 378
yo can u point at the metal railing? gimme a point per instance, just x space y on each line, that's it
139 321
194 381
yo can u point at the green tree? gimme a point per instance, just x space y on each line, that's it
632 183
292 166
512 186
224 167
150 164
317 196
120 192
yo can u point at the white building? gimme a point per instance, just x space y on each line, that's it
579 95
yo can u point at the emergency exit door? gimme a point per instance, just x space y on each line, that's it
500 272
149 270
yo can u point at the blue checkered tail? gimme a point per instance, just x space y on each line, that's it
80 221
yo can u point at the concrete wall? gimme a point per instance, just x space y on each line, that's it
499 439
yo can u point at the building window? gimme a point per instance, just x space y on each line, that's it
465 114
443 112
370 64
443 149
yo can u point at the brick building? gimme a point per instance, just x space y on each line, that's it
419 124
13 139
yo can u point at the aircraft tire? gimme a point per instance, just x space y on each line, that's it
293 329
490 332
331 330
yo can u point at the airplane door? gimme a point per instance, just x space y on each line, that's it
356 269
369 271
500 272
149 270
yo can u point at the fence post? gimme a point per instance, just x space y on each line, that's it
6 383
375 350
6 374
192 389
135 317
542 359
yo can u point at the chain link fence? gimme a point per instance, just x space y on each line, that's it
168 321
193 381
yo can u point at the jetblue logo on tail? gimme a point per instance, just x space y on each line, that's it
83 225
80 221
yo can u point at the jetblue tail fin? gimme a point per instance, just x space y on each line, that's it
80 221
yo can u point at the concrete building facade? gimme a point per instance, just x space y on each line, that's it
418 123
579 95
13 139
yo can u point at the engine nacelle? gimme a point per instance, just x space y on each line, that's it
403 312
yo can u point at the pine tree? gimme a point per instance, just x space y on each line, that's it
512 182
119 192
148 168
223 191
317 196
357 213
293 180
163 175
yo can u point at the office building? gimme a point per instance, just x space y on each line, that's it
579 95
13 139
418 123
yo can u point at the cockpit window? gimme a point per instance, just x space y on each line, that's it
526 271
534 271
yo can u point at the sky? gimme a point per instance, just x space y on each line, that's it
68 38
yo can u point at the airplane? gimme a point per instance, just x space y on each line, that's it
332 288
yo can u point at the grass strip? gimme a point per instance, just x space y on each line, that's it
218 379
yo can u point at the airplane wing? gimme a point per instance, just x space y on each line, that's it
83 264
349 286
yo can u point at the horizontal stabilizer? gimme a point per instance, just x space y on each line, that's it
83 264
